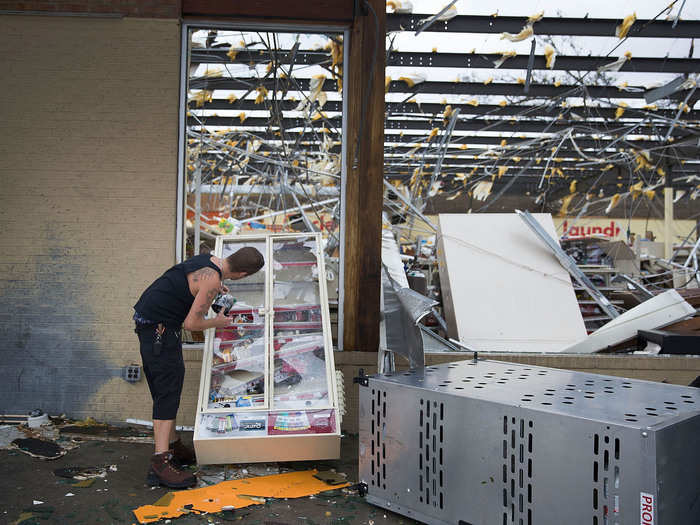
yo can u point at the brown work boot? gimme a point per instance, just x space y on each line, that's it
183 454
164 472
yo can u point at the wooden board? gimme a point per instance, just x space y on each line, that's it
503 290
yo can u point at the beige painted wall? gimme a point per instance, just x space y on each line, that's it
87 203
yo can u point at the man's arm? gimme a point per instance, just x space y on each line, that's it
195 320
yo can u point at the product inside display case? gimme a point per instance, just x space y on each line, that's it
238 357
300 375
270 371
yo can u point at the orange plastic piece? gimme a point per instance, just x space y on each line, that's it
234 494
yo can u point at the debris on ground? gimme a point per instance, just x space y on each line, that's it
33 514
210 476
39 448
86 483
213 474
81 473
36 435
13 419
89 429
331 477
234 494
8 433
89 422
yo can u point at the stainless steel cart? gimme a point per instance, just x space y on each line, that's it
490 443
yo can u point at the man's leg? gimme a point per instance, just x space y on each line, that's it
164 371
163 432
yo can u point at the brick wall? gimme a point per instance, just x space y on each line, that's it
138 8
87 205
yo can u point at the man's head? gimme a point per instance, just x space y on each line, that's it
244 262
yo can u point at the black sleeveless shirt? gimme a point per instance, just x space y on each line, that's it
168 300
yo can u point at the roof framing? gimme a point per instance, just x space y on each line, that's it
564 26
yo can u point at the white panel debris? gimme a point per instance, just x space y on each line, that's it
502 290
657 312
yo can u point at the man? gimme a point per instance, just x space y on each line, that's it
179 298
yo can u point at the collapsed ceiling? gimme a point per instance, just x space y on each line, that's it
504 112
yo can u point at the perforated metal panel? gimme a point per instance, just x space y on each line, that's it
378 453
517 470
484 443
431 436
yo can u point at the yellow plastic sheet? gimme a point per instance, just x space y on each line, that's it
234 494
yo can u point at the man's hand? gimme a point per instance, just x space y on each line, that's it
224 289
221 320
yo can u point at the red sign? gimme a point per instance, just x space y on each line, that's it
612 231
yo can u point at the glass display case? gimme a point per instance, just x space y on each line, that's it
268 389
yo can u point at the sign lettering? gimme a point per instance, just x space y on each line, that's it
646 509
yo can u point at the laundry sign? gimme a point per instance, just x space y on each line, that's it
572 230
616 229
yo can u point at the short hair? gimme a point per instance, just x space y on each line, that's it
248 260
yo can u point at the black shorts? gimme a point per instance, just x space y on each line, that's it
165 372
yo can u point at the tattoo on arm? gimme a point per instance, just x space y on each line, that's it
211 295
203 311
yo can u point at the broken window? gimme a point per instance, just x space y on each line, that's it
262 137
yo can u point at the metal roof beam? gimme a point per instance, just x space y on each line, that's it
495 125
334 106
310 139
547 26
446 88
563 62
456 60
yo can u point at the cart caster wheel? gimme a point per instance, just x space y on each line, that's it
362 489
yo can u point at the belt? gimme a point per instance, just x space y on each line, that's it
141 323
140 327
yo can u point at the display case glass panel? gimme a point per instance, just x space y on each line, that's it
257 424
238 358
300 372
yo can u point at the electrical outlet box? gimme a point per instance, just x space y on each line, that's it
131 373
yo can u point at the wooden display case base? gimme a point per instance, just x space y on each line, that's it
263 449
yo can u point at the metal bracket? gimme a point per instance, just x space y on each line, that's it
361 379
385 361
460 343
